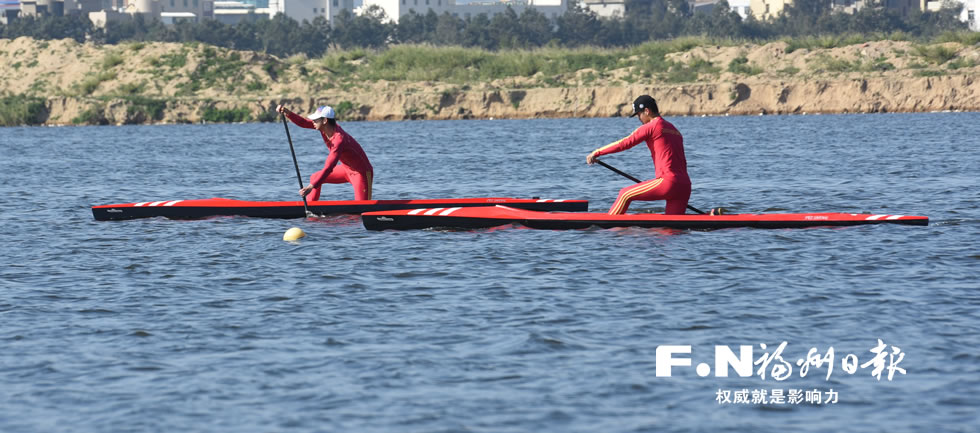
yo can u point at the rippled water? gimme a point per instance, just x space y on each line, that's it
219 325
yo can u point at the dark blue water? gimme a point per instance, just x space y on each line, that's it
219 325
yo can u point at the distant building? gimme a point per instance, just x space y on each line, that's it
202 9
969 14
904 7
766 9
34 8
300 10
395 9
550 8
703 6
234 12
606 8
742 7
9 11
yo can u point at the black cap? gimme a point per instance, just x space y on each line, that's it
644 101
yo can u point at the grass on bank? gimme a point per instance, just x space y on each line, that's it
458 65
21 110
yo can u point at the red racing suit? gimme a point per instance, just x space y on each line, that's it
671 183
347 162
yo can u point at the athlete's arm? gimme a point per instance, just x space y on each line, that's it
633 139
300 121
331 161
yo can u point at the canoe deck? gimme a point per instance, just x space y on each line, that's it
203 208
492 216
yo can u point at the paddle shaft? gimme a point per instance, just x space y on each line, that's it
616 170
295 164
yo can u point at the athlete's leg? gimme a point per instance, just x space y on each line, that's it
362 184
641 191
677 199
337 175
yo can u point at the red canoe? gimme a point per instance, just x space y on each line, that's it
192 209
491 216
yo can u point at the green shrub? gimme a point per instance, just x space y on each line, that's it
151 108
929 73
965 37
111 60
740 65
173 60
130 89
882 66
832 64
344 108
824 41
92 82
341 63
21 110
790 70
680 73
961 63
234 115
273 68
91 116
937 54
267 116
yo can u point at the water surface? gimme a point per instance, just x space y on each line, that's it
219 325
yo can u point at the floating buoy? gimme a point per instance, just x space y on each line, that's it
293 234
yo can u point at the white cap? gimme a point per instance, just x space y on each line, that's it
324 111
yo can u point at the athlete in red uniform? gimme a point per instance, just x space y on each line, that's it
667 149
346 162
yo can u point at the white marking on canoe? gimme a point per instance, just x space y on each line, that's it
173 202
894 217
157 203
432 211
875 217
416 211
142 203
449 211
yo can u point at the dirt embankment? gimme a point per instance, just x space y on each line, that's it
191 83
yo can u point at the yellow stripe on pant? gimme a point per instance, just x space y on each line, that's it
619 207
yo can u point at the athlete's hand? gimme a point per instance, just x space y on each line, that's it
305 190
280 109
591 158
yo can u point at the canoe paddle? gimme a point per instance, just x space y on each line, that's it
616 170
295 164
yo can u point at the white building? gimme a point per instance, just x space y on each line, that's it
550 8
395 9
742 7
202 9
605 8
300 10
971 8
232 12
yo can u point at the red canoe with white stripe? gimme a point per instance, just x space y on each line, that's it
193 209
492 216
